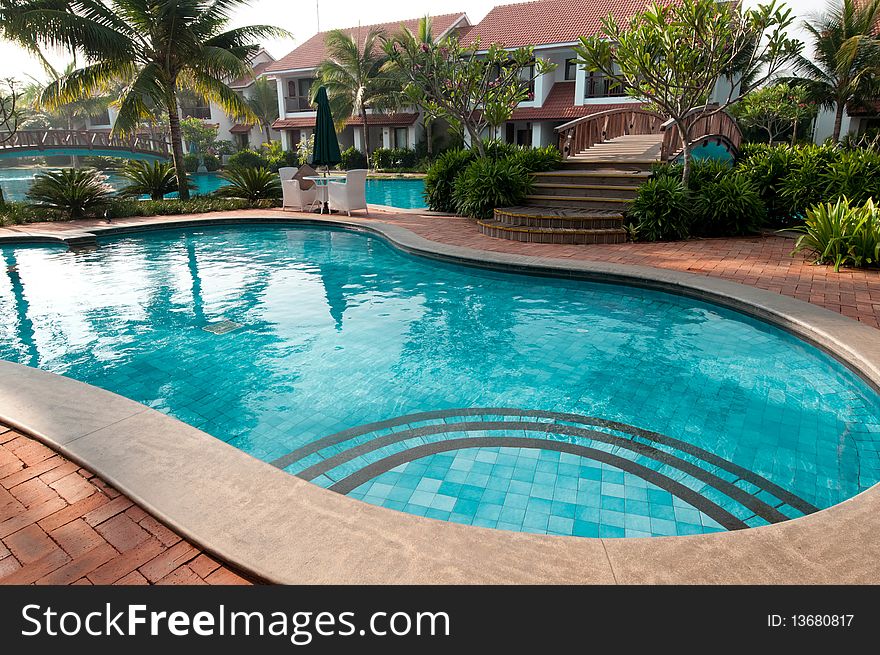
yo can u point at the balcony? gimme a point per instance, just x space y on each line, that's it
600 86
203 113
296 104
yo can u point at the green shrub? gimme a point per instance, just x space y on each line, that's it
212 162
122 208
804 184
704 171
727 205
352 158
661 210
250 184
765 166
155 179
248 159
842 234
19 213
498 149
854 175
74 192
191 163
391 159
488 183
225 147
441 177
538 160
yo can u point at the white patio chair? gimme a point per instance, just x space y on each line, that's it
293 196
287 172
350 195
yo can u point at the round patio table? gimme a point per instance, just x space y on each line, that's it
321 189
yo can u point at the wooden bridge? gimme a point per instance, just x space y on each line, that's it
29 143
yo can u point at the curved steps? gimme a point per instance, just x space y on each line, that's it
555 225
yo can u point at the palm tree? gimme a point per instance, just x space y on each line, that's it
264 104
846 66
353 77
157 47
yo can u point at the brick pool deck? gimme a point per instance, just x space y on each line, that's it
61 525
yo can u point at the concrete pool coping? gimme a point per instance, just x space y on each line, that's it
283 529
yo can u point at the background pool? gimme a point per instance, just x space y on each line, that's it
404 193
498 400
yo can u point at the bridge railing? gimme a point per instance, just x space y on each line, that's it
585 132
703 127
85 139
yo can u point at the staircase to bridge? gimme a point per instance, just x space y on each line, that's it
606 157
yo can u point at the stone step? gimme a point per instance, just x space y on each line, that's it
587 190
549 217
606 164
551 235
632 179
577 202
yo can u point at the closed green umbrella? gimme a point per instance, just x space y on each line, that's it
326 149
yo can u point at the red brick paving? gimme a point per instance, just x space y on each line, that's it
59 524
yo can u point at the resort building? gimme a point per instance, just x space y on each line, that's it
295 73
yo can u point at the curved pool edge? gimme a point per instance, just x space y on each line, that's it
282 529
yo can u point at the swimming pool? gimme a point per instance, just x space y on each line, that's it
486 398
405 193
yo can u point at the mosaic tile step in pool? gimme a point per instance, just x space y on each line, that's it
540 471
484 397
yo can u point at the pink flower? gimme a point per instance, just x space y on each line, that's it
424 47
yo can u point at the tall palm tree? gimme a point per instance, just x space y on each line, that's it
846 66
263 102
157 47
353 77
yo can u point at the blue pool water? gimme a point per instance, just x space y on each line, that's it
403 193
492 399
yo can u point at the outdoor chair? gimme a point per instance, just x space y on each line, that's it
293 195
350 195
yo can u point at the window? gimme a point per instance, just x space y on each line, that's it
400 140
298 94
570 69
101 118
599 86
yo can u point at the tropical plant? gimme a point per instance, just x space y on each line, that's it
304 149
71 191
395 158
155 179
440 179
853 174
845 67
842 234
489 183
353 77
352 158
804 184
766 166
157 48
537 160
200 137
250 183
775 109
727 205
661 209
263 102
472 92
673 55
247 159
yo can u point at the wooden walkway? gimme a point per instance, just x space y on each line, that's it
630 148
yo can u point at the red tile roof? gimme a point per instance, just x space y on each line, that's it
240 128
400 118
544 22
293 123
559 105
871 108
247 80
311 53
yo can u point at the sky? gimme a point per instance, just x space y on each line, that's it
303 17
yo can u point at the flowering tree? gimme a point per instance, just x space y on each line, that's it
674 55
775 109
471 89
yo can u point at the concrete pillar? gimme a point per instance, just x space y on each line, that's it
386 137
282 92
